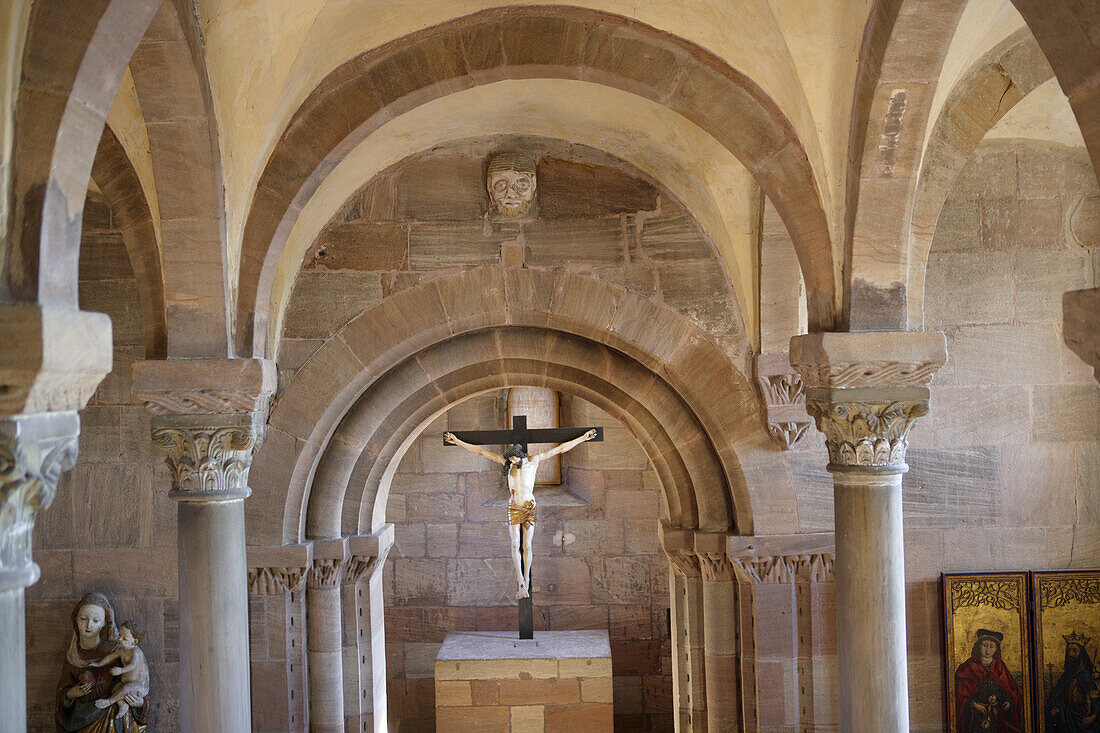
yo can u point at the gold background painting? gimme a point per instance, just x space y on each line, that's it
1006 613
1068 610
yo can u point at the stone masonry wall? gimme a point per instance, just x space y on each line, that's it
112 527
597 562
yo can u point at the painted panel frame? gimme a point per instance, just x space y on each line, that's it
988 653
1067 636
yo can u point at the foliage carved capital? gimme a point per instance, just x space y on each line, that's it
866 433
209 459
34 450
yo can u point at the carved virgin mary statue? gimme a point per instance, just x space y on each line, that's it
81 683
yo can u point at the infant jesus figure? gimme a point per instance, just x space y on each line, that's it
519 468
133 675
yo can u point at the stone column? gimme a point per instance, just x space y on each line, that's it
51 362
34 450
365 672
324 636
865 390
720 618
209 417
689 689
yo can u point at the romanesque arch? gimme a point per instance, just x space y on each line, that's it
691 408
357 98
116 178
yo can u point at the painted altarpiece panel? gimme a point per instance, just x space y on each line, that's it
1067 636
987 653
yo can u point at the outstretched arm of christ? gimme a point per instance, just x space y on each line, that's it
450 438
567 446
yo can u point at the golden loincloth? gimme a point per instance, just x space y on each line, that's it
523 514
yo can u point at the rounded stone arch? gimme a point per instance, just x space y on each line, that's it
1068 32
991 87
357 98
170 80
693 411
116 178
74 59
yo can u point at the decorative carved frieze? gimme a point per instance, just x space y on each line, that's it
205 386
208 456
866 433
815 568
203 402
877 374
868 360
716 566
266 581
34 450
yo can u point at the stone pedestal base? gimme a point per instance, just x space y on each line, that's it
491 680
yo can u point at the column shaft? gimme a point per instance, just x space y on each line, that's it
720 643
13 662
324 643
870 588
214 674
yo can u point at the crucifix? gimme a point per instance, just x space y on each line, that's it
520 469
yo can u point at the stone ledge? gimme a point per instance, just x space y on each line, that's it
54 358
204 386
1081 325
872 359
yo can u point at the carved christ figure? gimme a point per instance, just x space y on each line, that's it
520 470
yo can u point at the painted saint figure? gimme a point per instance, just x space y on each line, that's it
1072 703
520 470
986 696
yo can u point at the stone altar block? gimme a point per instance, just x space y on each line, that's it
491 680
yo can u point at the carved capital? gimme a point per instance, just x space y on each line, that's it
866 433
814 568
205 386
279 569
34 450
209 455
685 562
784 396
715 566
267 581
327 572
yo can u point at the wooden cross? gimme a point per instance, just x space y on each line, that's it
521 435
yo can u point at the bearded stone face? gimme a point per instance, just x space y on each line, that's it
511 182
